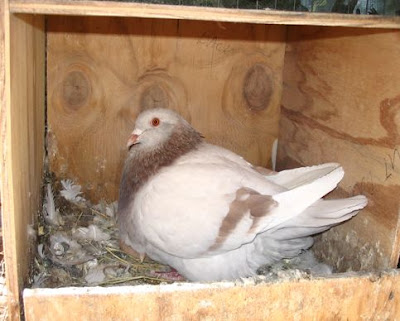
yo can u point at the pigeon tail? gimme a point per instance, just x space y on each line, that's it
292 237
308 185
319 217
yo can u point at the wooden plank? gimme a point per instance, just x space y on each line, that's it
4 18
22 146
341 102
123 9
4 21
367 297
224 78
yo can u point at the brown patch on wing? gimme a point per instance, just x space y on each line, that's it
247 201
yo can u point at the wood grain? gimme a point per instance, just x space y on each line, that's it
22 146
144 10
341 102
224 78
351 298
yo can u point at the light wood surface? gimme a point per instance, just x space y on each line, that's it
349 298
4 18
22 143
224 78
341 102
123 9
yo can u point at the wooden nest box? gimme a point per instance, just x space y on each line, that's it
326 86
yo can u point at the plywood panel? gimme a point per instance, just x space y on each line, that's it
224 78
22 146
341 102
146 10
368 297
3 26
3 112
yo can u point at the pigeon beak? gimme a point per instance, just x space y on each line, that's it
134 138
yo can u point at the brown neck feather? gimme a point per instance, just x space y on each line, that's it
141 165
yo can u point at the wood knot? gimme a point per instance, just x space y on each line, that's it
154 97
76 89
257 88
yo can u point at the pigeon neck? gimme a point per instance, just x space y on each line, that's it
141 164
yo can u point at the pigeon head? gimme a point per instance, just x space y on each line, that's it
154 127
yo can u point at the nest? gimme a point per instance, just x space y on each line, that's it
78 243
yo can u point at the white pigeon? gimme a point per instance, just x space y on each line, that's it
210 214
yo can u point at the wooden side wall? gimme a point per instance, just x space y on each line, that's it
22 144
341 102
225 78
351 298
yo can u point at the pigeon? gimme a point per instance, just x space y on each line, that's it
211 215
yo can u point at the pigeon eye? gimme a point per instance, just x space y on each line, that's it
155 122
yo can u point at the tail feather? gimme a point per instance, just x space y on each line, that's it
311 186
292 237
319 217
301 211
